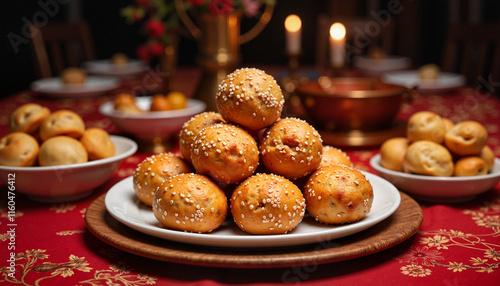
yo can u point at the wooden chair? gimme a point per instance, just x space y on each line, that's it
56 46
362 34
474 51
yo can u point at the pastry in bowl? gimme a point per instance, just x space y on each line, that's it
470 166
28 118
62 150
73 76
119 59
125 102
429 72
393 152
190 202
426 125
153 171
62 122
251 98
267 204
338 194
98 143
18 149
428 158
466 138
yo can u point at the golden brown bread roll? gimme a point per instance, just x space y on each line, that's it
62 122
267 204
448 124
470 166
334 156
338 194
291 147
425 125
393 152
488 157
251 98
62 150
159 102
98 143
125 102
18 149
225 152
153 171
190 202
119 59
192 127
73 76
28 118
428 158
466 138
429 72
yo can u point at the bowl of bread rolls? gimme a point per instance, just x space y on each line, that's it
439 160
52 156
149 117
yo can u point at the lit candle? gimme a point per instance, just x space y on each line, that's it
337 44
293 26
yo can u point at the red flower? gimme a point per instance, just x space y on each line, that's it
155 28
156 49
221 7
195 2
143 53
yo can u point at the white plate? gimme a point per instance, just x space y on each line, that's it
377 66
93 85
445 81
122 203
105 67
439 189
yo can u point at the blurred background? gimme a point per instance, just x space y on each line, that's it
419 29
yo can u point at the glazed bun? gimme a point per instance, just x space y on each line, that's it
225 152
62 122
425 125
192 127
291 148
125 102
62 150
18 149
488 157
338 194
251 98
267 204
393 152
98 143
27 118
428 158
334 156
73 76
153 171
466 138
470 166
159 102
190 202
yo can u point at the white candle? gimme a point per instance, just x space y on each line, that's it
293 26
337 45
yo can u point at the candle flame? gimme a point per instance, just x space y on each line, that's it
293 23
337 31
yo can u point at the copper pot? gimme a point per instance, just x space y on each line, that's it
344 104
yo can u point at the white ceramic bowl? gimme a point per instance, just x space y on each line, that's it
66 182
439 189
149 125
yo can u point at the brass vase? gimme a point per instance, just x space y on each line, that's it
219 39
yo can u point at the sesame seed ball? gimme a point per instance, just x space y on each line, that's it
191 128
225 152
190 202
251 98
267 204
291 147
153 171
338 194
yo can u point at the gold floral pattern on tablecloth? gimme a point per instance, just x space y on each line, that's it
29 262
435 243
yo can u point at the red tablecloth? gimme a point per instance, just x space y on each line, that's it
457 244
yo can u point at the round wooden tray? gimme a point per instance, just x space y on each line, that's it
400 226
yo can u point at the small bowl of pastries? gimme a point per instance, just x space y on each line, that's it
438 160
151 118
53 157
